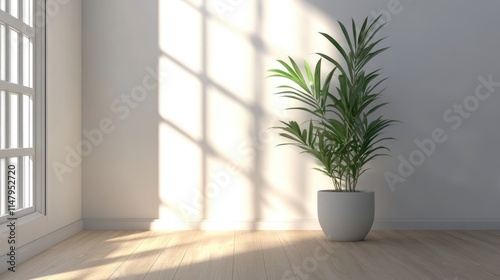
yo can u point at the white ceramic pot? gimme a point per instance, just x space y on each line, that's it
346 216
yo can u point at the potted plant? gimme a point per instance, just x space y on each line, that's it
343 131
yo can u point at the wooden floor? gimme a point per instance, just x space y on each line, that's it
259 255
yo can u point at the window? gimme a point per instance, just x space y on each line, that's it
22 40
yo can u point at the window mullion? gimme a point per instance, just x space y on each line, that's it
20 183
12 87
20 10
7 79
22 152
39 85
3 186
7 120
20 159
20 53
7 161
3 131
21 121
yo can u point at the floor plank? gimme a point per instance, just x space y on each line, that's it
369 260
142 259
459 264
266 255
167 263
248 257
275 259
109 255
309 259
409 255
71 268
211 258
52 261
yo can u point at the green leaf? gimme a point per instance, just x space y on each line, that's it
308 72
346 36
317 80
337 45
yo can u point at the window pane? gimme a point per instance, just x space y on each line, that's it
16 184
3 120
27 193
3 57
14 56
27 125
3 187
27 62
27 12
2 5
14 8
13 117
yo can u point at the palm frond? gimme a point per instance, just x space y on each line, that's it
342 134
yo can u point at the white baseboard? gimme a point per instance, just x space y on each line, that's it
41 244
311 224
436 225
152 224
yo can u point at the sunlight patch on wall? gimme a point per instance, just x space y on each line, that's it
237 15
218 160
180 107
180 99
180 33
230 62
282 26
228 125
180 172
228 193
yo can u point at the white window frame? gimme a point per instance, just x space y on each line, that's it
37 91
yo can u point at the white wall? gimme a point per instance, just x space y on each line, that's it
189 147
36 233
